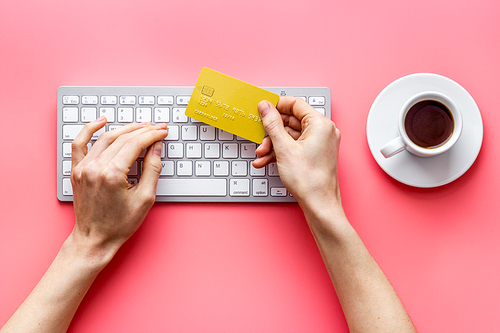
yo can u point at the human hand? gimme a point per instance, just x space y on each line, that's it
107 209
306 149
107 212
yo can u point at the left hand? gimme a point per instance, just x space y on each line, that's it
107 209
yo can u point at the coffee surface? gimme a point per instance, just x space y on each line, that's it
429 124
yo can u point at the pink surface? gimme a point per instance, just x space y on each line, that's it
255 267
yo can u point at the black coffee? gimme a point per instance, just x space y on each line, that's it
429 124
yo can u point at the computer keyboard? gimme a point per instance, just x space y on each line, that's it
200 162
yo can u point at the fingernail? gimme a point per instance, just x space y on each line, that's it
145 123
157 148
101 118
264 108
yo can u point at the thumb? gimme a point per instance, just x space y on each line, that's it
151 169
273 124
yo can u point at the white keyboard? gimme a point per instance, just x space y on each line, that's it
200 162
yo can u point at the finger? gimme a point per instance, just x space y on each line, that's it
108 138
291 121
265 147
297 107
79 144
273 124
120 142
293 133
151 169
132 145
264 160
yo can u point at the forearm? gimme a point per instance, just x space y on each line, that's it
368 300
53 302
107 212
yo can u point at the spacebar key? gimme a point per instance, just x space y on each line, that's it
191 187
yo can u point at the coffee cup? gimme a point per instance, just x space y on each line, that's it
429 124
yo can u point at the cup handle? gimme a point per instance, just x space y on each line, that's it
393 147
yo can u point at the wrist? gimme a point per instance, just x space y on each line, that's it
324 214
90 254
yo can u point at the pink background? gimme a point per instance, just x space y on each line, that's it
255 267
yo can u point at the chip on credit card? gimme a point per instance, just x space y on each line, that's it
229 104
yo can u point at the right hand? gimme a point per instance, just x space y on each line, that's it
306 149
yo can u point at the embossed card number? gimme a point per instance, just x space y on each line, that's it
229 104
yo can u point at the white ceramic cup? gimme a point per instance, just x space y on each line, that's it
403 141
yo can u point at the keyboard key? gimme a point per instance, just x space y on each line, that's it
163 151
133 169
239 168
71 131
183 100
239 187
173 133
146 100
89 100
98 133
143 114
272 169
127 100
318 100
207 133
212 150
191 187
184 168
248 150
193 150
109 113
167 168
67 189
162 115
165 100
230 150
321 110
278 192
108 100
259 188
70 115
67 149
66 169
178 115
261 172
112 127
71 99
175 150
125 115
189 133
88 114
225 136
221 168
202 168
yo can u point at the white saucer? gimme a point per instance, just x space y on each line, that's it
423 171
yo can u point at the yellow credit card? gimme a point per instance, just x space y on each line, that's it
229 104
